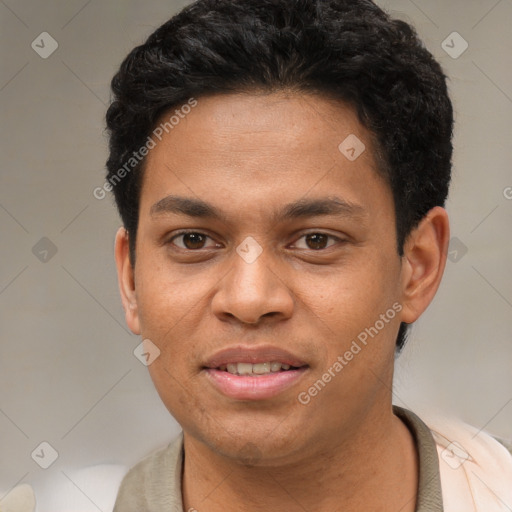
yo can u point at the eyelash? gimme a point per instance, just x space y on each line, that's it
182 233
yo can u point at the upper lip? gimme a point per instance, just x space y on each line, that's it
252 354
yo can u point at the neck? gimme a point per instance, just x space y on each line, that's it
375 468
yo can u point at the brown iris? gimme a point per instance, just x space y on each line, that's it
193 240
316 241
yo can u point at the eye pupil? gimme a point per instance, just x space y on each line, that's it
316 241
193 240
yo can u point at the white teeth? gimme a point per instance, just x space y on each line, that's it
254 369
231 368
244 368
260 368
275 367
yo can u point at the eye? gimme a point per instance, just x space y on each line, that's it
192 240
316 241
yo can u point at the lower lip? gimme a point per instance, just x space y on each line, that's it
248 387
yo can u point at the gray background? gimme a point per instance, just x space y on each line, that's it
68 375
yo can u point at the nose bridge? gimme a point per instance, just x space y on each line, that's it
253 274
253 287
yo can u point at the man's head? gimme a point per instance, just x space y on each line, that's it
346 50
304 147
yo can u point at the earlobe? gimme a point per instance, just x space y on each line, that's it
424 261
126 280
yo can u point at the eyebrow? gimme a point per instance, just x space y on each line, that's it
301 208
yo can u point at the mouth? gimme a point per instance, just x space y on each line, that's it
257 369
250 373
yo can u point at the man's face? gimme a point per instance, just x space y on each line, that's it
299 260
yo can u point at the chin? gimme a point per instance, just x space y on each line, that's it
249 444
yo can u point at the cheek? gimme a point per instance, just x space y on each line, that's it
352 296
356 306
166 297
358 338
183 401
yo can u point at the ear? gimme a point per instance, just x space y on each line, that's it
423 263
125 277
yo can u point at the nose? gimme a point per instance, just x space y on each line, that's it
253 291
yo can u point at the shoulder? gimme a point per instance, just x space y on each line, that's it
154 482
468 442
475 467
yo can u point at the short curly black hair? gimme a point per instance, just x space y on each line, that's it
350 50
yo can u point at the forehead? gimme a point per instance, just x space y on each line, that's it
261 147
303 121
